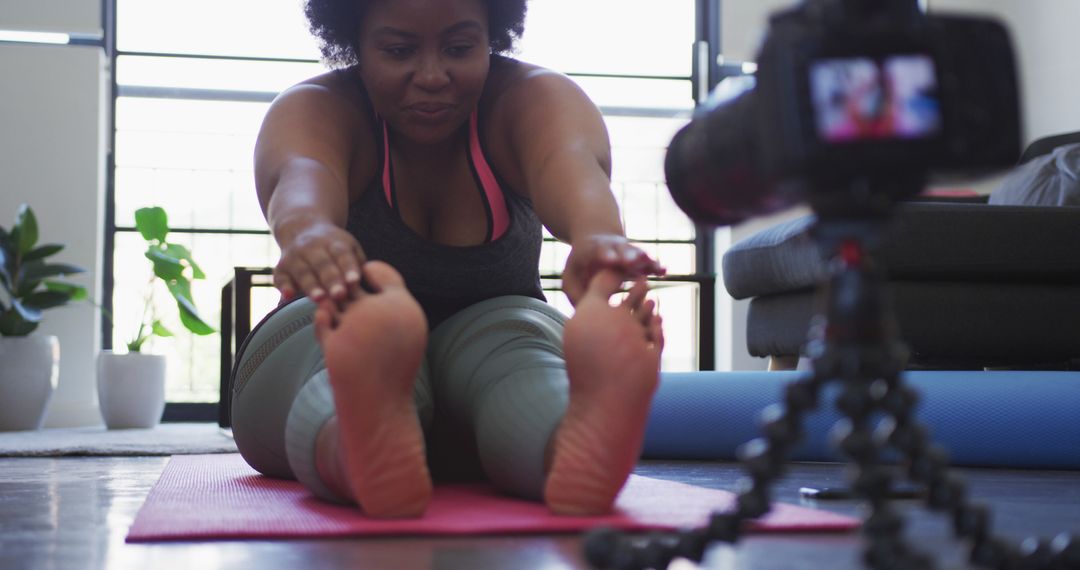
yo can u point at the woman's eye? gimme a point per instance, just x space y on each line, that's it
397 51
459 50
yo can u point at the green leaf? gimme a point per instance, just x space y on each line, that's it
76 292
166 267
189 315
180 289
5 277
152 223
46 300
14 246
43 252
180 252
192 321
7 258
38 270
12 324
160 330
28 314
27 227
26 288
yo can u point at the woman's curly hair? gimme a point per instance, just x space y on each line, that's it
337 23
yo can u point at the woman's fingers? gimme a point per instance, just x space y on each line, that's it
307 276
331 278
342 277
637 262
321 270
625 258
352 267
284 284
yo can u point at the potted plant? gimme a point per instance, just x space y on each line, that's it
131 386
28 287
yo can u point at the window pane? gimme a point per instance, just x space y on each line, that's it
639 145
669 95
193 369
267 76
252 28
553 256
628 37
194 158
678 303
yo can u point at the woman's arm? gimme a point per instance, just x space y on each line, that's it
564 155
302 162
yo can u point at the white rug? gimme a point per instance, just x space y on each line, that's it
166 439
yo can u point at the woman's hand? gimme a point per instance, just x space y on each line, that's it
320 260
604 251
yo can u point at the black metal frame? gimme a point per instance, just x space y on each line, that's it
707 16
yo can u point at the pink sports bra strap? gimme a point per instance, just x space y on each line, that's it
387 183
500 216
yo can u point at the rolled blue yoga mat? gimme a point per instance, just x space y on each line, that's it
987 419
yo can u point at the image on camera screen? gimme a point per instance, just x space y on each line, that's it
862 99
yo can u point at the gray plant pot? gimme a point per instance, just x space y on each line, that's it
29 371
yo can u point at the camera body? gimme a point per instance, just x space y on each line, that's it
851 93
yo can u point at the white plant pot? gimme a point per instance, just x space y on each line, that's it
29 370
131 389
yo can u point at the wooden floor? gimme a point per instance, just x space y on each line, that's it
73 513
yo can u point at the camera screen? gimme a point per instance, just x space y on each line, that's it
862 99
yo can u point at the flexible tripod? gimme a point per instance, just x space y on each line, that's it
856 345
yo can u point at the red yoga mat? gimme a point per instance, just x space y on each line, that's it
220 496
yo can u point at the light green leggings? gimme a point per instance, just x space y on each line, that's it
490 391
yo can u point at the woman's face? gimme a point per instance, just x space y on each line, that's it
424 63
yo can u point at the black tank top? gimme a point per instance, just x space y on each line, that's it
445 279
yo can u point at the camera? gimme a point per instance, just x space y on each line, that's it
854 102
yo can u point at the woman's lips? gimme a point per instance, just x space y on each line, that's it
431 112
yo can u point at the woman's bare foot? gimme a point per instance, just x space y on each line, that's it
374 448
613 359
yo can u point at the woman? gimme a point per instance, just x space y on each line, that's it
424 335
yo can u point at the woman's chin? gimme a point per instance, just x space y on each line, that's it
431 134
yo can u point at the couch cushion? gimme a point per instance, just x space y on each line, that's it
927 241
943 322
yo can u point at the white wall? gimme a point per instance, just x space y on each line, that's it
63 16
1047 43
52 128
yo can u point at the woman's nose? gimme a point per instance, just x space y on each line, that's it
431 73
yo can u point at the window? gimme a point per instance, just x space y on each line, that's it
194 80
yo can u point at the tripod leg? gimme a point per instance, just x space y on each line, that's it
927 463
764 459
883 528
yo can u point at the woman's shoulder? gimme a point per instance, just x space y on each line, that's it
328 115
512 80
518 90
337 95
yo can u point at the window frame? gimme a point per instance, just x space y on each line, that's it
705 74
